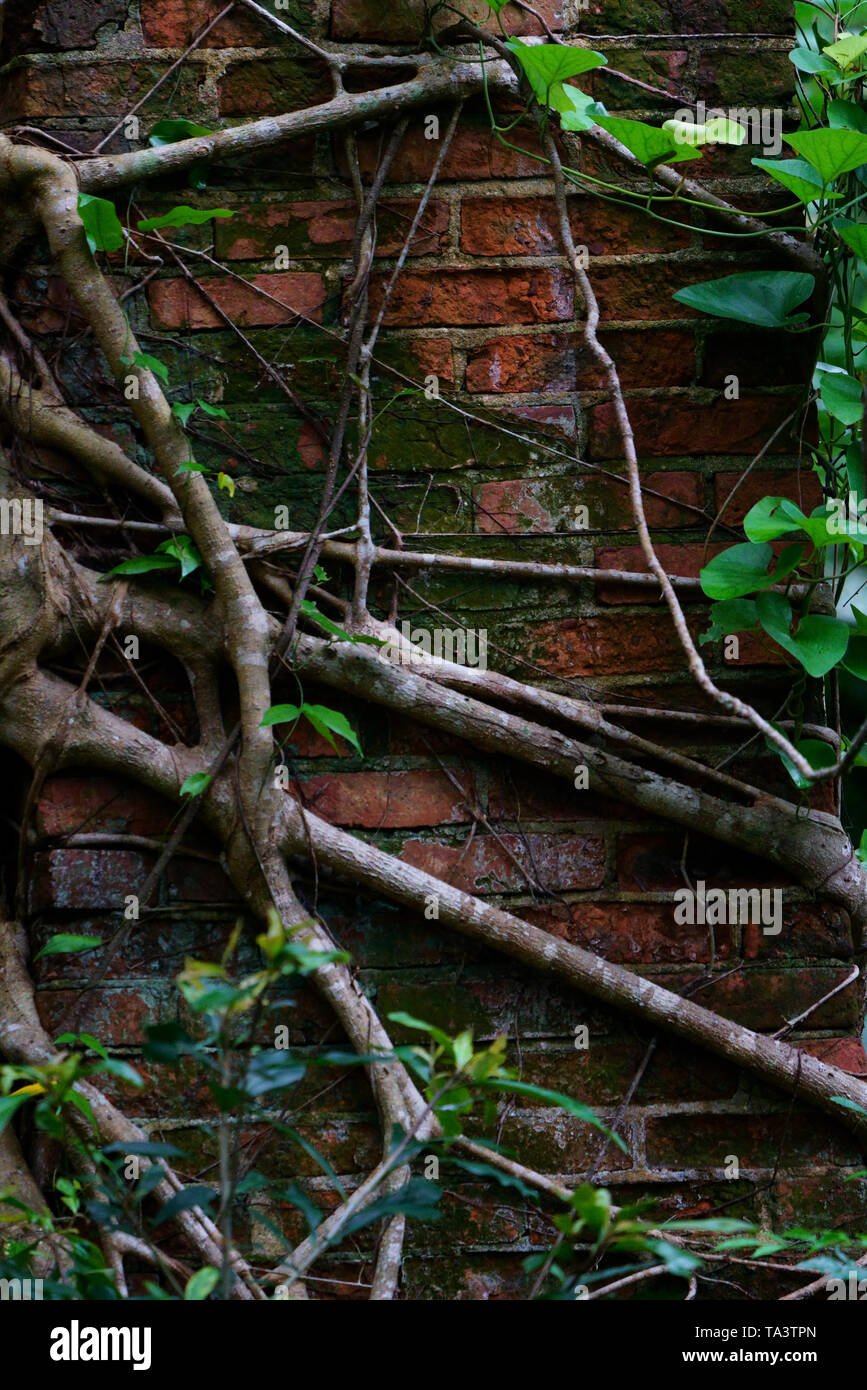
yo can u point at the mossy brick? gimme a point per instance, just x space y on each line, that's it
828 1201
41 88
151 948
406 21
413 436
663 69
380 935
807 931
271 86
602 1072
551 504
466 1277
350 1143
489 1000
765 999
102 878
790 1140
738 79
116 1016
553 1142
327 228
471 1216
176 23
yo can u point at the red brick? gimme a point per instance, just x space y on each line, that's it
644 290
605 646
515 226
629 932
175 23
546 504
475 153
176 303
387 800
455 297
94 88
685 426
327 229
100 879
70 805
802 487
271 86
116 1017
558 862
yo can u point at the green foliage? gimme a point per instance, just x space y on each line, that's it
326 722
101 223
183 216
762 297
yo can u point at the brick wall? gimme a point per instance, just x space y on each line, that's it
486 304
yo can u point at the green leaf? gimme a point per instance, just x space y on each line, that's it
763 297
183 216
847 115
842 396
8 1106
182 410
856 657
195 784
192 467
798 176
280 714
408 1021
139 565
226 483
772 517
728 616
148 363
846 51
650 144
327 721
182 549
167 132
546 65
854 234
66 942
832 153
182 1201
578 111
101 223
820 642
849 1104
563 1102
807 60
817 753
739 570
214 412
200 1284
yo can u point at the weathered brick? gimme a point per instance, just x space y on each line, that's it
327 229
803 487
176 23
387 800
757 1141
687 426
176 303
270 86
455 297
506 863
405 20
515 226
32 25
525 504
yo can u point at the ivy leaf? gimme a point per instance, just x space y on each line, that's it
200 1284
854 234
101 223
195 784
832 153
847 50
739 570
182 410
183 216
728 616
842 396
280 714
819 643
649 143
327 721
546 65
798 176
808 60
140 564
149 364
772 517
578 111
763 297
64 943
